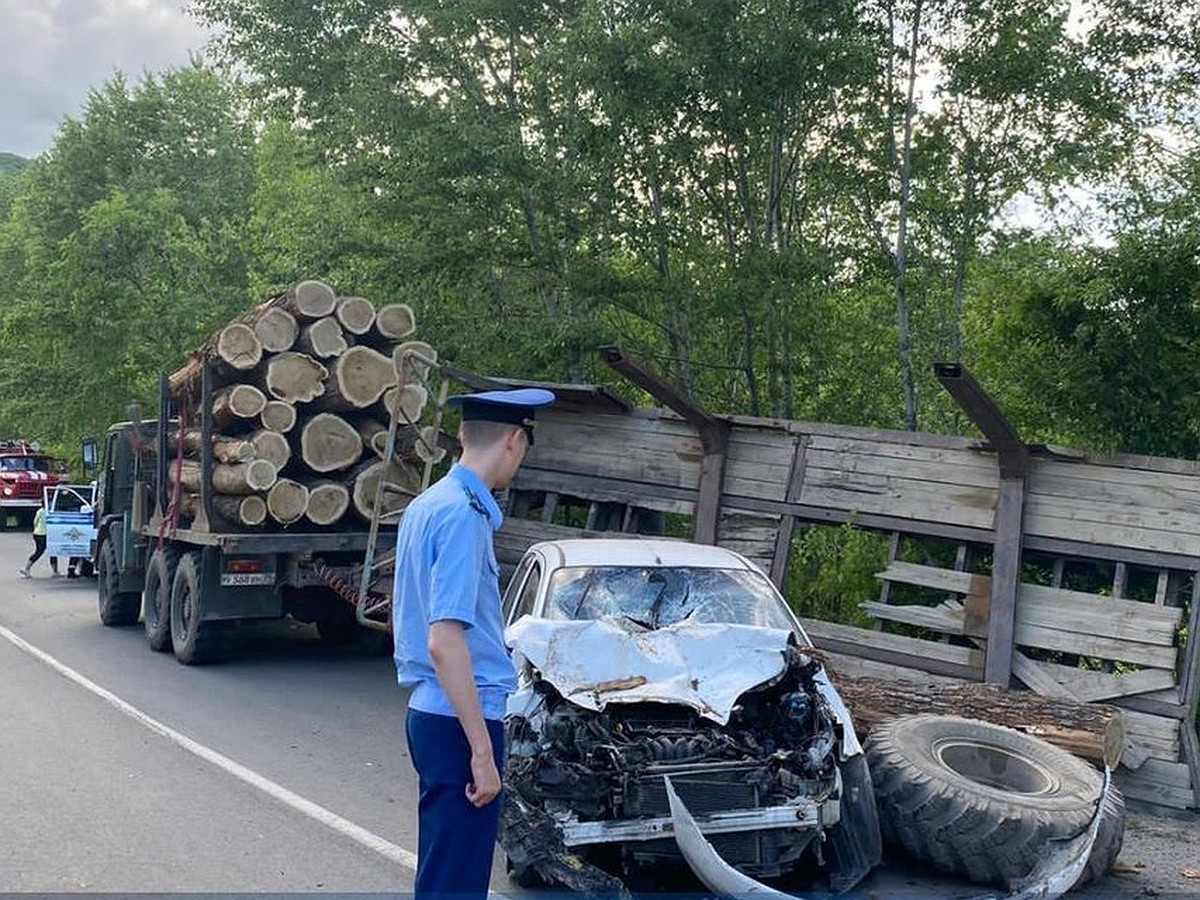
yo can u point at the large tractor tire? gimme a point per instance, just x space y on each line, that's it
983 801
156 598
195 641
117 607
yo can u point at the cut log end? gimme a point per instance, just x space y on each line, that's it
327 502
357 314
329 443
295 378
411 361
323 339
239 347
277 330
406 402
287 501
272 446
395 321
278 415
357 379
401 484
312 300
237 402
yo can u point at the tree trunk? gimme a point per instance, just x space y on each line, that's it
246 512
327 502
413 443
278 415
408 367
322 339
1092 731
357 314
401 483
407 402
395 322
310 300
328 443
236 478
357 379
295 378
238 347
271 446
225 450
287 501
236 404
277 329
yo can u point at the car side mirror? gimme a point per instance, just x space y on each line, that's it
88 451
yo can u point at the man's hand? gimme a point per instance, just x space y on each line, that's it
485 784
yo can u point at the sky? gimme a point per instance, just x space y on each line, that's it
53 52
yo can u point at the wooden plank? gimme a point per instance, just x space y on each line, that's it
928 656
549 506
1038 679
1190 746
787 524
935 618
1156 782
1157 735
885 436
610 490
1189 659
1092 478
1120 579
1046 515
946 456
899 500
937 472
1006 576
857 667
1159 703
1057 608
1085 550
1160 589
1089 687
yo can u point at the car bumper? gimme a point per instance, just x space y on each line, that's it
805 815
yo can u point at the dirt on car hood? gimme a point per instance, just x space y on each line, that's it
604 661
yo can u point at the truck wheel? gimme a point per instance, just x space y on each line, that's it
156 598
195 641
338 627
982 800
117 607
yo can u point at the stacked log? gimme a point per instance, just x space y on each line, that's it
303 388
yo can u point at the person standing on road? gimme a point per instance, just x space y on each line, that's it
39 544
449 635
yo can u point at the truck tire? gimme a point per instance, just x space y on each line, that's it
195 641
338 627
982 800
156 598
117 607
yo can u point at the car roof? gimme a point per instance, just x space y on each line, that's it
638 552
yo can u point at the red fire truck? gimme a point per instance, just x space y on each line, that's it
25 471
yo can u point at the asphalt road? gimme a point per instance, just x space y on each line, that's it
282 770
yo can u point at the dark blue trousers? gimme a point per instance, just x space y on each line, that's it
455 840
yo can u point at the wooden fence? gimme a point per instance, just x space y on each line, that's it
597 470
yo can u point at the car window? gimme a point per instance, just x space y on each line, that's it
529 592
515 585
659 596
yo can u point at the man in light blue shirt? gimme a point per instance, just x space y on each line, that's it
450 644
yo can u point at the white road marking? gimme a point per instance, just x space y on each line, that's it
368 839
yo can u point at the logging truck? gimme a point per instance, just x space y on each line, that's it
256 491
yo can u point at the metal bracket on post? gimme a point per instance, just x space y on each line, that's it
714 437
1013 457
394 414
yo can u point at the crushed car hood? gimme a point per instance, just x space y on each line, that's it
603 661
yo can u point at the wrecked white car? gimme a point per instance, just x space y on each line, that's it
657 668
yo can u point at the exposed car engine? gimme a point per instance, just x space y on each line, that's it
569 764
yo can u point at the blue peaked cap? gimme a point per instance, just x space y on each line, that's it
515 407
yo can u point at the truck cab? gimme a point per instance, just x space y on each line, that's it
25 472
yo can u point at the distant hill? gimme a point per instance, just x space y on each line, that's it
11 164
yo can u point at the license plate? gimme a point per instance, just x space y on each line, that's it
245 579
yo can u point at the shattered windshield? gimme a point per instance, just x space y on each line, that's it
657 597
